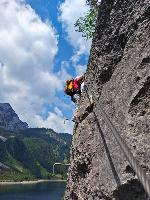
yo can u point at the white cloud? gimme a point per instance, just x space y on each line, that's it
70 11
80 69
56 121
58 112
28 47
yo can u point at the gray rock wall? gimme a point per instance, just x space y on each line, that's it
118 74
9 120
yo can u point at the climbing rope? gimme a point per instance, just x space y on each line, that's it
143 177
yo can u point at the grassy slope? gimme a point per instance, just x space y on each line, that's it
32 153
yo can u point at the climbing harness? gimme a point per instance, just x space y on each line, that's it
143 177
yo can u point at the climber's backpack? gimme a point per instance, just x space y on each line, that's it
69 87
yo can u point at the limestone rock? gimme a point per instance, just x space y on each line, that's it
118 75
9 120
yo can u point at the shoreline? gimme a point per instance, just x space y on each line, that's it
27 182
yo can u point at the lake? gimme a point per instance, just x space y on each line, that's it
39 191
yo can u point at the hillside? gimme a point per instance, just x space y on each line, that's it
31 153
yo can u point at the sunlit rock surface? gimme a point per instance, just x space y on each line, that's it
118 74
9 120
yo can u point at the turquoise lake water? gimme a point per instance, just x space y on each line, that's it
39 191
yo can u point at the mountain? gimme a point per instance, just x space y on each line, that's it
29 153
9 120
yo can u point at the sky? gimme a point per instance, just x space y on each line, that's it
39 50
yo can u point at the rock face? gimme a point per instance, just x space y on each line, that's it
9 120
118 75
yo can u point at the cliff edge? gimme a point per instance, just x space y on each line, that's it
9 120
118 75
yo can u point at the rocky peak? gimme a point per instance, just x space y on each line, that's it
9 120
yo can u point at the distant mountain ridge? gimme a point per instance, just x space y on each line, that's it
9 120
29 153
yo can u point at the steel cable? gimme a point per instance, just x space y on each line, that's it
143 177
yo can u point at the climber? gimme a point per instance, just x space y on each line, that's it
73 86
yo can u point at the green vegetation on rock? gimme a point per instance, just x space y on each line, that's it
86 24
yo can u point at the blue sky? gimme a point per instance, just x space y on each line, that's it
39 50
